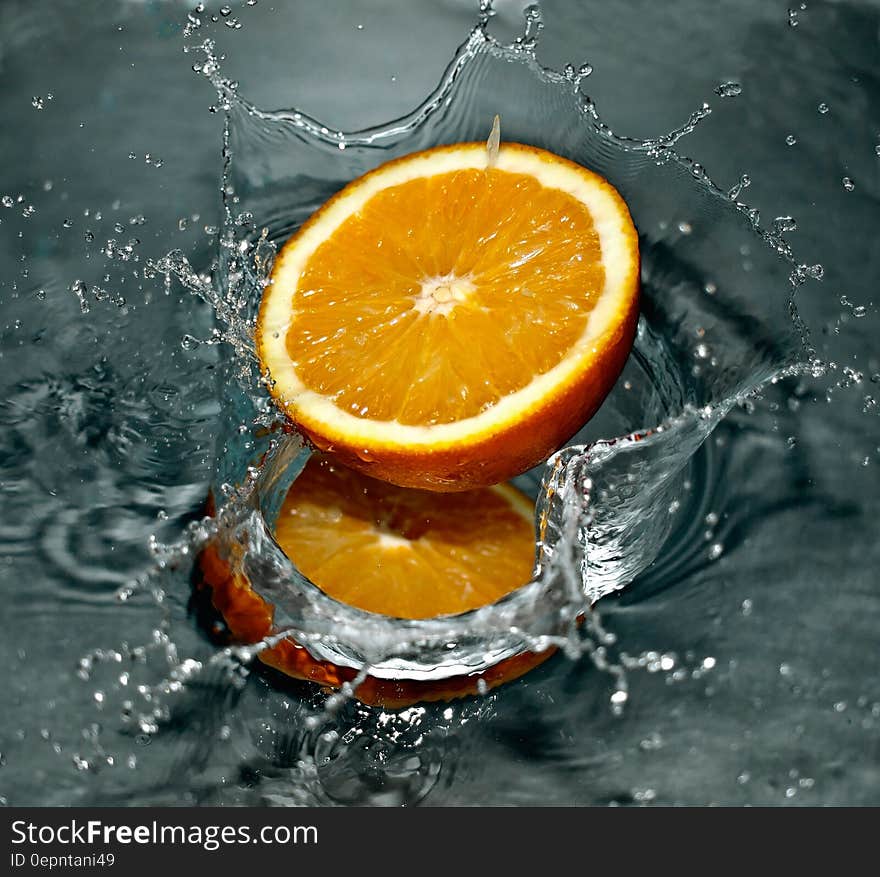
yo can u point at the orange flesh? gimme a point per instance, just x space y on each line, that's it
430 281
400 552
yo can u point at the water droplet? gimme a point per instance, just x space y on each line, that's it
783 224
792 18
715 551
747 607
728 89
7 201
744 182
79 289
791 140
848 184
823 108
37 103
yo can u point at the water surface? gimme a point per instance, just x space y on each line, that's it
759 677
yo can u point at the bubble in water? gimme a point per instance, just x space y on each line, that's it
823 108
728 89
37 103
793 18
7 201
715 551
848 184
790 140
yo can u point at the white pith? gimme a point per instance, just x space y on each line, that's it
439 295
319 413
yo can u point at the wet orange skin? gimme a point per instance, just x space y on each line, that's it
250 619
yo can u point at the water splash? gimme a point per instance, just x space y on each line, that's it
601 503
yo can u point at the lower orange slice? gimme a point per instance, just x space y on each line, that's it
393 551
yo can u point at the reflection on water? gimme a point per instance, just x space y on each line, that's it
106 441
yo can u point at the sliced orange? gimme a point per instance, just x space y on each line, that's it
406 553
449 319
386 549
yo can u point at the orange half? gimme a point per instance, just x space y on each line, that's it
391 550
448 320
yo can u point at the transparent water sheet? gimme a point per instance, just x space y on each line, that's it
717 322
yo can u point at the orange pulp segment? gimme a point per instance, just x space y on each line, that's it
405 553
